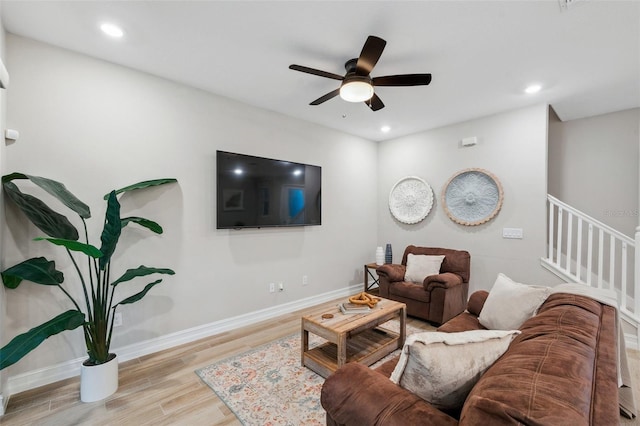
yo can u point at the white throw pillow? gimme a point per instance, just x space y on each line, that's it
442 368
420 266
510 304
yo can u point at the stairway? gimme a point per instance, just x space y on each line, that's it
584 250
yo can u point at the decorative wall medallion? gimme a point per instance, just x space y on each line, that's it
410 200
472 197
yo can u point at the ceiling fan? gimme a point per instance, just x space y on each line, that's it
357 84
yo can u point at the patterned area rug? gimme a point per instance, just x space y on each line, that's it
268 386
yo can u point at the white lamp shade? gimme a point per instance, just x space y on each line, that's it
356 91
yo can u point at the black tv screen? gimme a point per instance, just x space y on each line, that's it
256 192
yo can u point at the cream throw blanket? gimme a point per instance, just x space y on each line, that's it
608 297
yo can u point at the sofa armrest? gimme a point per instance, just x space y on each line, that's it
392 272
444 280
357 395
476 302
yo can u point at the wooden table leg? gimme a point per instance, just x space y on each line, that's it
366 278
342 349
403 327
305 343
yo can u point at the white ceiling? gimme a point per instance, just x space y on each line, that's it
481 54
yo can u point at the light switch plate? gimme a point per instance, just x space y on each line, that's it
514 233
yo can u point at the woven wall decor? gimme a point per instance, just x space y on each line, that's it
410 200
472 197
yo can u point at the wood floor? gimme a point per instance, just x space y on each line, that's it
162 388
158 389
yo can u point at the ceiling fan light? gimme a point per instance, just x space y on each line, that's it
356 91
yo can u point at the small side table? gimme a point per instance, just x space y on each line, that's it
367 273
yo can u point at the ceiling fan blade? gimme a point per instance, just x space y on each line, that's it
326 97
402 80
375 103
316 72
370 54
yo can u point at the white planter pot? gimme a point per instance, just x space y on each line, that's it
99 381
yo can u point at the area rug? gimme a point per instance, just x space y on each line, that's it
268 386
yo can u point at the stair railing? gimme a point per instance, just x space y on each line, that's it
585 250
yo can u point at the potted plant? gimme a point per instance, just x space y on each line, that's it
96 310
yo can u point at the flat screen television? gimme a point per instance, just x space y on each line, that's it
257 192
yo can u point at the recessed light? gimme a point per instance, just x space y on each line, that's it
112 30
385 129
238 171
533 88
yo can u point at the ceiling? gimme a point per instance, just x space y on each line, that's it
482 54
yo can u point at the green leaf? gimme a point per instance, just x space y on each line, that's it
37 270
87 249
138 296
48 221
56 189
12 176
24 343
144 184
149 224
141 271
111 231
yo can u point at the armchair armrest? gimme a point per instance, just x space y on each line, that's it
392 272
444 280
358 395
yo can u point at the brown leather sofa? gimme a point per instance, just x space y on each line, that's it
561 370
440 297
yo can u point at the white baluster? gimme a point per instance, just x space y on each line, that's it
612 262
559 238
623 282
579 250
600 256
590 255
551 229
569 241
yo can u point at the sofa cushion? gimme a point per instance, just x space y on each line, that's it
420 266
442 368
462 322
510 304
408 290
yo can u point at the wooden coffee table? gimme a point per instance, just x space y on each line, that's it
352 337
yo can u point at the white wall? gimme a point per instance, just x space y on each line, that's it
512 146
97 126
593 166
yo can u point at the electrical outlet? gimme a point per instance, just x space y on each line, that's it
280 286
117 319
272 287
305 280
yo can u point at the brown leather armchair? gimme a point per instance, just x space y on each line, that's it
440 297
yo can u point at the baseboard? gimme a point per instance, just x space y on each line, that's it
65 370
